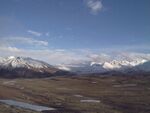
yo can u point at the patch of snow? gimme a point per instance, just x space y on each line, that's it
95 63
26 105
125 85
93 82
26 62
11 57
63 88
63 67
78 96
12 82
90 101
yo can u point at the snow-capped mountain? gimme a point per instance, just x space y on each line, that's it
106 66
26 67
24 62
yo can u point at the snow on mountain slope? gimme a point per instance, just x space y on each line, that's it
25 67
83 68
14 62
118 63
122 64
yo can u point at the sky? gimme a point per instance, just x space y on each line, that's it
58 31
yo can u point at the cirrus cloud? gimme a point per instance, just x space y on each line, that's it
10 41
34 33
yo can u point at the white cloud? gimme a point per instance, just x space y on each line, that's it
9 49
102 57
54 56
10 41
9 46
119 56
34 33
61 56
95 6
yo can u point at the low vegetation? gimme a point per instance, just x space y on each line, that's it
101 94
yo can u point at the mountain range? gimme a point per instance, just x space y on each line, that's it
12 67
123 66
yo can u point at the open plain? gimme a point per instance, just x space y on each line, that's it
79 94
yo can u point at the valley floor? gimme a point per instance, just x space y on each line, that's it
82 94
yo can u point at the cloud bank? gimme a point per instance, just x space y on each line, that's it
14 46
18 46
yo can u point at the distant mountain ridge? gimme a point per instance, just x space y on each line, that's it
13 67
123 66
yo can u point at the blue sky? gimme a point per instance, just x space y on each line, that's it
75 25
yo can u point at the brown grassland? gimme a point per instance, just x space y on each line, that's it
117 94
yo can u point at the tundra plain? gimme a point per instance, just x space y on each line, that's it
79 94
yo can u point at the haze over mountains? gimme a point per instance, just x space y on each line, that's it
27 67
106 63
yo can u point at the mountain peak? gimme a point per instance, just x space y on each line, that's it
11 57
15 66
25 62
